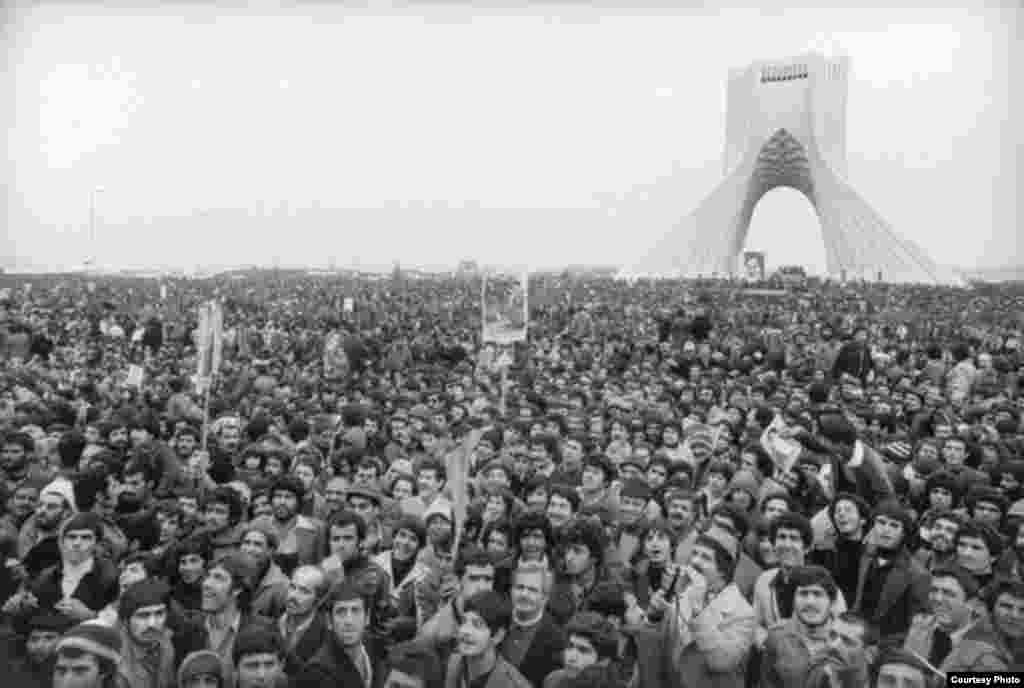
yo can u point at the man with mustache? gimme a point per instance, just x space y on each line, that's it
790 648
952 637
939 550
147 655
775 590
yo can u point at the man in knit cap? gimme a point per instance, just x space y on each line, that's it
87 657
147 655
81 584
202 669
44 632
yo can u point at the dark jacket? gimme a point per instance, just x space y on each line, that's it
331 666
904 595
545 652
307 645
96 590
504 675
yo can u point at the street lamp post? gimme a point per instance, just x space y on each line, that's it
92 224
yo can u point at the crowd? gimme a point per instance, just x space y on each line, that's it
670 483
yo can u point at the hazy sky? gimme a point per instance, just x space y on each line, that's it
533 134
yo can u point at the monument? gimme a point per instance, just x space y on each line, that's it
786 126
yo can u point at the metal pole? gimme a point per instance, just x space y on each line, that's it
92 228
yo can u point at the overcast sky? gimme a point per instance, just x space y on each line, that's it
547 134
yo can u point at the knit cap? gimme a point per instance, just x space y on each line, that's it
257 638
83 521
145 593
95 638
201 663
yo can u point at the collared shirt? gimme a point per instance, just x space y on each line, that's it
72 575
222 641
364 666
292 634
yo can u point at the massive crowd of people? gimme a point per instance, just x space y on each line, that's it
669 483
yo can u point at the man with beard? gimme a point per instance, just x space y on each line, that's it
147 655
939 548
272 587
775 590
891 587
14 458
681 511
222 513
300 538
790 647
20 506
37 540
844 664
952 638
117 437
302 626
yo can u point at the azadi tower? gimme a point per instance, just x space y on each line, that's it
786 126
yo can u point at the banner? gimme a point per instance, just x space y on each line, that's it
753 265
135 376
210 339
336 362
505 311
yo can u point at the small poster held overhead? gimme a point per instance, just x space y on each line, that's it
210 338
505 309
336 363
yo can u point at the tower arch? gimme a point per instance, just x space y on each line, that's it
786 126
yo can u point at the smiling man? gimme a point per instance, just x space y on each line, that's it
952 637
302 627
790 648
774 592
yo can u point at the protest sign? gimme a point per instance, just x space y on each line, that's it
505 311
